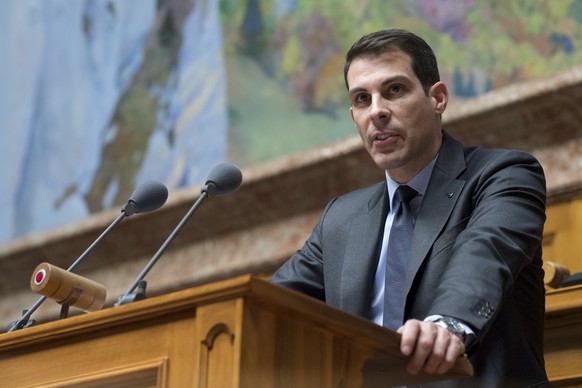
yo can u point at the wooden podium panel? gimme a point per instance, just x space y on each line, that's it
563 336
241 332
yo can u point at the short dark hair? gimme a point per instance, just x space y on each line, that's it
423 60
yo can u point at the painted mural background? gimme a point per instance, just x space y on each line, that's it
97 96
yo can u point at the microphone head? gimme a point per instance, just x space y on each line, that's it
148 196
224 179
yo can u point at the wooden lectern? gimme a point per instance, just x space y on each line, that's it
563 336
241 332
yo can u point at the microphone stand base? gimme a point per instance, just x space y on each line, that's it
139 294
21 324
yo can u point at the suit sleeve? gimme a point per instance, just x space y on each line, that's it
304 270
497 251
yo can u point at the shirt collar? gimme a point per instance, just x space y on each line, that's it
419 182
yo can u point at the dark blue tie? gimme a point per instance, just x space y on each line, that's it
397 257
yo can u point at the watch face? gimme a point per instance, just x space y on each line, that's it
453 325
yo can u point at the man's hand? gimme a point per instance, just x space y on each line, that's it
432 348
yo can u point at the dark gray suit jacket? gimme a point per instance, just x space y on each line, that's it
476 256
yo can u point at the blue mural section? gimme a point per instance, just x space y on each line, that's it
99 96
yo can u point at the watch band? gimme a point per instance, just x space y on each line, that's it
454 326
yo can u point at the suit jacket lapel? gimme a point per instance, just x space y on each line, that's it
440 198
362 254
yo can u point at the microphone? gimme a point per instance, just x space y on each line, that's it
67 288
224 179
148 196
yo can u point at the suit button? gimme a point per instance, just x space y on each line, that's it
484 309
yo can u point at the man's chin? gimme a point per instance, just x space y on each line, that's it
386 162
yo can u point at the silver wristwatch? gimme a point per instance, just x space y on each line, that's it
454 326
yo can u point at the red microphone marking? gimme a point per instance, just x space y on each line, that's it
39 277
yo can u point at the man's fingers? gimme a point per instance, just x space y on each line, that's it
454 350
432 348
439 352
422 336
409 331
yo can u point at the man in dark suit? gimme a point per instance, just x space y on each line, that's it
472 280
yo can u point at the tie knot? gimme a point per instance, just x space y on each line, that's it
405 193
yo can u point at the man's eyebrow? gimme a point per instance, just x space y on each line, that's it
395 78
356 90
387 81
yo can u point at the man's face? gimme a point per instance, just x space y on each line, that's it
399 124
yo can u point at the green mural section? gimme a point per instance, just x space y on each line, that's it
285 58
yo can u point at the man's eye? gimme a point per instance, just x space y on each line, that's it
361 98
396 89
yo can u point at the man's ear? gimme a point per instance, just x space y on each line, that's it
440 95
352 114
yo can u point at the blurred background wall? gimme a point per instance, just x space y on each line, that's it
97 96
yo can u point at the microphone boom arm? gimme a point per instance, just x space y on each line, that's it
224 179
125 298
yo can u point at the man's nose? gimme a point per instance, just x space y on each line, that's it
379 110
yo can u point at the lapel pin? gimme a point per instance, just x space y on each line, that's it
450 195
